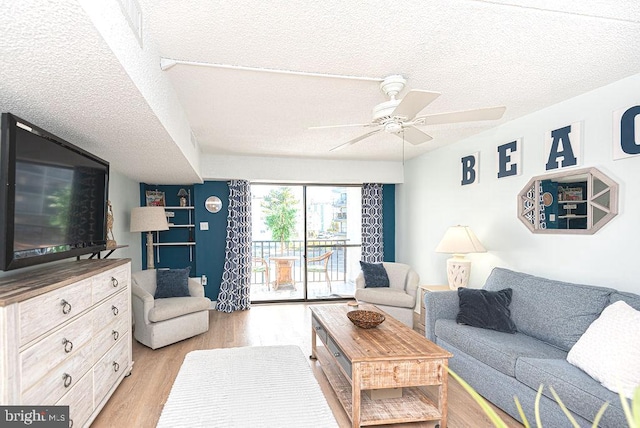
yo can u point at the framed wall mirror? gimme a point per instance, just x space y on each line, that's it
569 202
213 204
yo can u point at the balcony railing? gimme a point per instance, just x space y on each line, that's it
336 267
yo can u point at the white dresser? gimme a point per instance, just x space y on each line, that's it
65 335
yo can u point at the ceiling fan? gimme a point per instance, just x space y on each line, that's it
399 116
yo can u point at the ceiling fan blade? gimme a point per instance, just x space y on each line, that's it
490 113
364 125
414 135
355 140
414 102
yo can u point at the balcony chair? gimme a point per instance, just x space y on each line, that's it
399 299
260 265
161 322
320 265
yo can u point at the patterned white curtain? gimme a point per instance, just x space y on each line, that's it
236 277
372 245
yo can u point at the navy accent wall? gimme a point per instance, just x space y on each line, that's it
389 222
211 243
172 257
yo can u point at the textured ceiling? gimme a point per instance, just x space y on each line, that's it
476 53
58 71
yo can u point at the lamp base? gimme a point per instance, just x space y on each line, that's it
458 271
150 251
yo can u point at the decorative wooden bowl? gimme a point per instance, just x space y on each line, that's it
365 319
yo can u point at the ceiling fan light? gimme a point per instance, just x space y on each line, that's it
393 127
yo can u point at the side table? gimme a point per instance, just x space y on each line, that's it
418 314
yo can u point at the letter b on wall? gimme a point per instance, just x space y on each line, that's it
470 169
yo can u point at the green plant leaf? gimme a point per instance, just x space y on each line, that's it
525 422
596 420
633 416
497 422
564 408
537 406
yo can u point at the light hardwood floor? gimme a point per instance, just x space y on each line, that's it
139 399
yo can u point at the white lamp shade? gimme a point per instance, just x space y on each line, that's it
460 240
148 219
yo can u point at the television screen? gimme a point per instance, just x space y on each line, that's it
56 197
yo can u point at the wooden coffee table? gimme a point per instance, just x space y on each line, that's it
381 359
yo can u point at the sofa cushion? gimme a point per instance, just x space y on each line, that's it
374 275
172 283
385 296
553 311
173 307
630 299
486 309
578 391
609 351
493 348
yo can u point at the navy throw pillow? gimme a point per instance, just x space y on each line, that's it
375 275
486 309
172 283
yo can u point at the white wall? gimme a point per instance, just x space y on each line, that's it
124 194
432 199
297 170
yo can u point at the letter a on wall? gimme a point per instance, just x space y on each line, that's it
626 132
470 166
563 147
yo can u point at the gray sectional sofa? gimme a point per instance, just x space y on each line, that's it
550 317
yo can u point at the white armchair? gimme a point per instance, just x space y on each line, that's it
399 299
161 322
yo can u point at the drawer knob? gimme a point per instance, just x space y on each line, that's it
68 345
114 281
318 328
336 354
67 379
114 309
66 307
116 366
116 335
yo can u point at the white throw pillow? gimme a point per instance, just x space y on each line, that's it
609 351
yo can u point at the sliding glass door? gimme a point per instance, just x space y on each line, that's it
306 241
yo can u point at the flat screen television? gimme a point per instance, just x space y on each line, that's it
53 197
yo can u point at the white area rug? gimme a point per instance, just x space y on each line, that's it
263 386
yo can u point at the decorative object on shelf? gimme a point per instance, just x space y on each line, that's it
111 241
365 319
149 219
155 198
213 204
459 240
182 194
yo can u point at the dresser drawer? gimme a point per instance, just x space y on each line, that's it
320 331
42 357
110 368
109 335
342 359
59 380
116 306
110 282
80 400
41 314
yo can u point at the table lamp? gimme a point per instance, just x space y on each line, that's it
459 240
148 219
